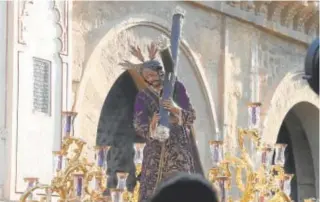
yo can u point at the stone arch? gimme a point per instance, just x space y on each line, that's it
95 71
300 130
291 90
295 106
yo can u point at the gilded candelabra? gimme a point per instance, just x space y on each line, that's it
257 178
72 182
76 179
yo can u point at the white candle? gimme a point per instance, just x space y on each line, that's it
257 72
255 81
252 82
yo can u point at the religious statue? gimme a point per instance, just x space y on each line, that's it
161 115
163 157
165 153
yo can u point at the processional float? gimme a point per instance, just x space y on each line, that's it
77 179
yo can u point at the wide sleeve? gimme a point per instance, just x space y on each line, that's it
141 120
188 114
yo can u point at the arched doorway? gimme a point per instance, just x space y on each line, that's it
300 130
101 70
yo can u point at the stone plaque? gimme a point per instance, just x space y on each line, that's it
41 85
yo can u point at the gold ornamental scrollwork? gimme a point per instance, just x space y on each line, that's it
77 179
64 183
255 176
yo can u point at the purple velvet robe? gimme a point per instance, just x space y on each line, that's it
176 152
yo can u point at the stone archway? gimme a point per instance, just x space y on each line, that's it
300 130
291 91
294 107
102 70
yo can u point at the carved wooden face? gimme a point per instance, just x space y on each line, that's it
152 77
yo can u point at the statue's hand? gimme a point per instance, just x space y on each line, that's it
171 107
174 119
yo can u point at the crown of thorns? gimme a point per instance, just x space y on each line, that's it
152 50
151 63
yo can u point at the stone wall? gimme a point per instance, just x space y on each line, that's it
276 58
298 20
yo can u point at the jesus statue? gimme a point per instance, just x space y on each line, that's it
163 157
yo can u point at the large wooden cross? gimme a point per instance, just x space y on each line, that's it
170 61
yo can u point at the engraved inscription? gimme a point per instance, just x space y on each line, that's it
41 85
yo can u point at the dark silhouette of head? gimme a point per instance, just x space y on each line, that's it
186 188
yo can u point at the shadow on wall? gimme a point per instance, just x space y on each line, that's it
115 129
300 131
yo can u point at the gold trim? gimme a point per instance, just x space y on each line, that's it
279 145
31 179
254 104
215 142
69 113
160 165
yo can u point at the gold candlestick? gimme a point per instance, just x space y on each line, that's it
255 177
136 190
138 158
72 182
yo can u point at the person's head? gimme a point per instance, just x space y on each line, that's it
186 188
152 73
150 70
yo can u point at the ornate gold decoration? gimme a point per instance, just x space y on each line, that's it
255 176
76 179
137 187
258 180
65 182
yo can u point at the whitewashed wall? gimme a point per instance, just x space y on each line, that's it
38 29
36 136
3 133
